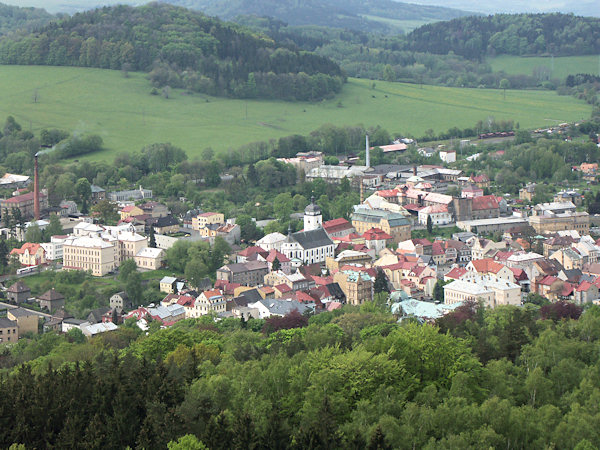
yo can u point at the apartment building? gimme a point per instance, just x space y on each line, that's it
95 254
207 218
357 286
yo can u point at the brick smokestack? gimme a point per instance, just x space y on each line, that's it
36 190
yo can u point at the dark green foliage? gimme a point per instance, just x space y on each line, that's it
381 282
519 34
179 48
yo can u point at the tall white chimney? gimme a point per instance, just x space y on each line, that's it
368 157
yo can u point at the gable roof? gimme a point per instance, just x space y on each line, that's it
485 202
487 265
312 239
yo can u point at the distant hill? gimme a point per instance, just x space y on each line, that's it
580 7
361 15
517 34
14 18
179 48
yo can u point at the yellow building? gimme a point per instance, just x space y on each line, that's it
130 245
393 224
27 321
30 254
357 286
95 254
579 221
9 331
207 218
129 211
149 258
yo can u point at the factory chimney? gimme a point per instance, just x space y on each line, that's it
36 190
368 157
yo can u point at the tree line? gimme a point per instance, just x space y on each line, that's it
179 48
512 377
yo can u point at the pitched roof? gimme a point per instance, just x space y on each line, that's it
22 198
19 287
312 239
376 234
456 273
332 226
29 246
485 202
487 265
248 251
51 295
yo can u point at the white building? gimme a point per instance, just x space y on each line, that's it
54 248
271 241
439 215
484 288
448 156
313 219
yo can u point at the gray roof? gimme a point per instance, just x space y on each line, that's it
18 287
284 307
7 323
22 312
312 239
312 208
166 221
245 267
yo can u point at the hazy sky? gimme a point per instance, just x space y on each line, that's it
582 7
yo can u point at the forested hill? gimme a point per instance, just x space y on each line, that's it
180 48
518 34
13 18
360 15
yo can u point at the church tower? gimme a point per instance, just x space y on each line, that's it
313 218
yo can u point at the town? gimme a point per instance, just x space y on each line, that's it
424 240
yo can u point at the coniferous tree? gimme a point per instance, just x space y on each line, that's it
381 284
152 243
429 225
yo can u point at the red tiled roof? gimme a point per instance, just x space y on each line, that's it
186 301
520 274
584 286
376 234
33 248
390 193
567 289
304 297
322 281
487 265
252 251
456 273
547 280
212 293
437 249
485 202
480 179
23 198
282 288
128 208
275 254
503 256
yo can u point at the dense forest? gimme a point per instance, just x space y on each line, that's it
180 48
442 53
503 34
354 378
15 18
373 16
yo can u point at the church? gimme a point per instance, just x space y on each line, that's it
311 245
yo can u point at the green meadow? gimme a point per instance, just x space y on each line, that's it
127 117
560 68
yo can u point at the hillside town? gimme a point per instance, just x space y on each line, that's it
424 239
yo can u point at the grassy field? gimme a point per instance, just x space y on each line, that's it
127 117
563 66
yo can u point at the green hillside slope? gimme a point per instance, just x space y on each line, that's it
125 115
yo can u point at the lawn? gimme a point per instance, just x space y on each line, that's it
127 117
560 68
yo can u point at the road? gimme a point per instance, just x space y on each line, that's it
10 306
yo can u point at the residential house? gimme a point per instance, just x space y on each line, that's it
485 248
51 300
569 258
165 224
208 218
283 261
250 273
484 288
155 209
439 215
149 258
338 228
277 307
130 211
470 191
98 194
30 254
490 268
555 243
54 248
120 302
347 257
457 251
295 281
210 302
357 286
528 192
18 293
95 315
448 156
251 254
9 330
376 239
481 181
27 320
586 292
168 285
